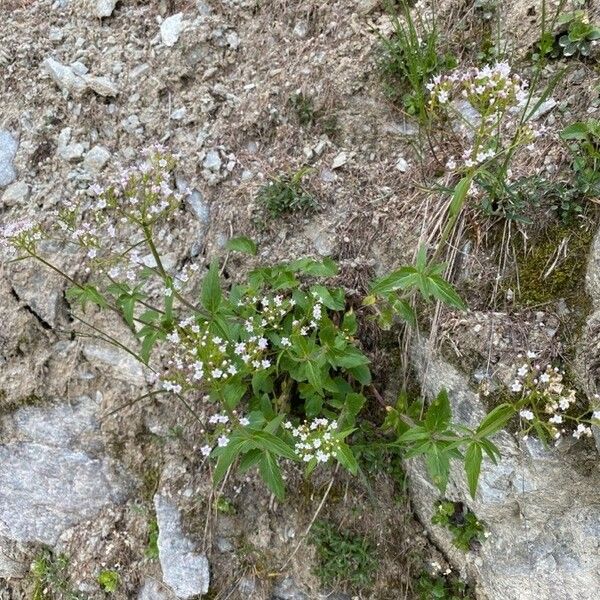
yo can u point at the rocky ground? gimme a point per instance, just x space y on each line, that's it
92 474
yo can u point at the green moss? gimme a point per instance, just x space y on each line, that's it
538 284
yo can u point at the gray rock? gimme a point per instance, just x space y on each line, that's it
16 193
402 165
154 590
69 152
103 86
340 160
64 77
185 570
124 367
171 28
287 589
212 161
543 109
199 206
104 8
203 8
48 483
95 160
8 150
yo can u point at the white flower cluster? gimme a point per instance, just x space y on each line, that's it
492 86
548 400
199 357
495 93
315 440
19 235
223 425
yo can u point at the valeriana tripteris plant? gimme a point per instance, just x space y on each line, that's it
499 97
271 367
546 405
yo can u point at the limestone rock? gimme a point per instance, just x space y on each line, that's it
16 193
48 481
95 160
104 8
8 150
64 77
103 86
171 29
154 590
185 570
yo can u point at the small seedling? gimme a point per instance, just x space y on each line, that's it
574 38
286 194
467 531
584 142
108 581
440 587
50 578
344 558
304 107
152 545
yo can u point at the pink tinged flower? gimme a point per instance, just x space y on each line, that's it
526 414
205 450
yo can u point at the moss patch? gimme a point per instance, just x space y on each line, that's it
542 277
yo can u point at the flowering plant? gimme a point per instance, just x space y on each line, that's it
546 405
271 367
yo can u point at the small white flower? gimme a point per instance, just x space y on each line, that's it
596 415
556 419
517 386
526 414
531 355
244 421
205 450
285 342
223 441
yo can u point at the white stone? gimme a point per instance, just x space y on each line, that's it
17 193
64 77
212 161
340 160
103 86
104 8
96 159
185 570
171 29
8 150
402 165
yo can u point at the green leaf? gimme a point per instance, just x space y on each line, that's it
437 461
459 196
227 455
576 131
232 394
400 279
211 289
308 266
86 293
270 442
444 292
250 459
414 434
362 374
439 413
327 299
495 420
346 458
473 458
354 403
242 244
148 343
271 473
